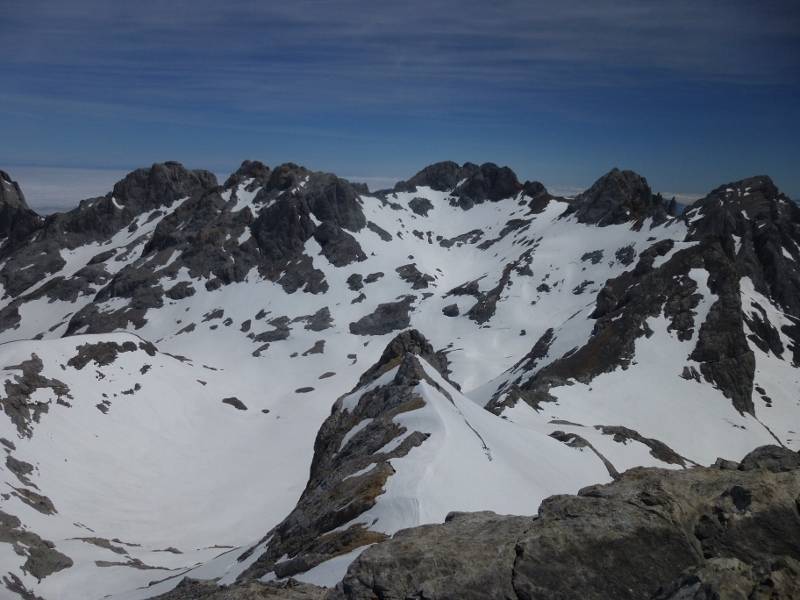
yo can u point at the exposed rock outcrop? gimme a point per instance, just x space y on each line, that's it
697 533
618 197
742 229
41 557
190 589
17 220
216 239
352 454
387 317
95 219
470 183
254 170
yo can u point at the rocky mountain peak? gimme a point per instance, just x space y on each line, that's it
160 185
597 348
286 176
757 186
618 197
10 193
409 342
17 220
758 228
470 183
351 464
735 206
441 176
490 182
249 169
534 189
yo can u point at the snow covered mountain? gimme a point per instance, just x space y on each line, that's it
260 379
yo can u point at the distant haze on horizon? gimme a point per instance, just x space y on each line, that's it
57 189
690 95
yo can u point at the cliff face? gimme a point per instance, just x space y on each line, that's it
17 220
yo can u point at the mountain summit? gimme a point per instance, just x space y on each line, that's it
618 197
270 377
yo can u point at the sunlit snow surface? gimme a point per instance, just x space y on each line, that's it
171 466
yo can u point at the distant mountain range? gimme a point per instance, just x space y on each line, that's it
256 380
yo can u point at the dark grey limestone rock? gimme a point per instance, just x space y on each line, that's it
618 197
469 288
772 458
333 199
355 282
162 184
317 348
200 233
281 231
730 578
420 206
411 274
15 585
765 222
17 220
573 440
319 321
36 501
469 183
181 290
20 469
17 403
593 257
280 331
658 449
408 342
490 182
581 287
103 543
379 231
350 468
42 559
539 196
192 589
253 170
653 533
451 310
441 176
625 255
387 317
471 557
483 310
338 246
235 403
105 353
470 237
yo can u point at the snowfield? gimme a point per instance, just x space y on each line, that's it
169 445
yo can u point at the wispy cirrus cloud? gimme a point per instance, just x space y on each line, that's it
573 87
315 54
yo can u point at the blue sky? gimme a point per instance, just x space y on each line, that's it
690 94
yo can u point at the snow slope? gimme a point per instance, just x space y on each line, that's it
190 278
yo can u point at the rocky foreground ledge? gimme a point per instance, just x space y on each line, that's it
726 531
